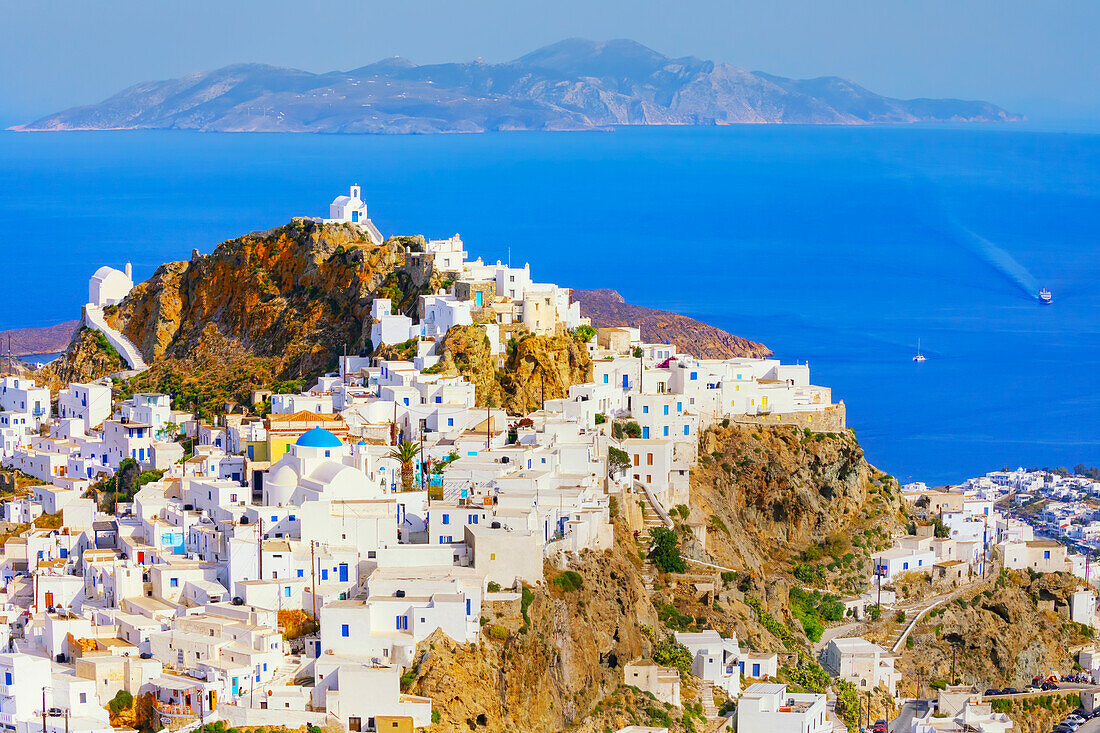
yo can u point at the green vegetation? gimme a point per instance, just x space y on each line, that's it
583 333
498 632
665 553
668 652
493 587
814 609
526 596
775 628
626 430
127 481
121 701
568 582
617 460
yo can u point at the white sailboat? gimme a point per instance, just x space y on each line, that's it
919 356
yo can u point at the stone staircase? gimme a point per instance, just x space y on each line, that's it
653 514
93 318
706 692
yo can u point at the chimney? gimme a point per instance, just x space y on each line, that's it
129 272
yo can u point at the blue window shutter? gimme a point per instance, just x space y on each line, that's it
344 630
467 606
446 519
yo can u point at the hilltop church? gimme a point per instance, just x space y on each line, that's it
351 210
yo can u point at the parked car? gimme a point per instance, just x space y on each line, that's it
1075 718
1070 724
879 727
1010 691
1049 686
992 691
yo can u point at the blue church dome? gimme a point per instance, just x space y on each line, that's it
318 438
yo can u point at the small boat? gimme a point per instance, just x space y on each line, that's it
919 356
1046 297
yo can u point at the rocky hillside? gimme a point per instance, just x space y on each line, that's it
298 293
536 368
607 308
560 667
571 85
88 357
1005 632
769 493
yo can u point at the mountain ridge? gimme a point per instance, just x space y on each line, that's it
574 84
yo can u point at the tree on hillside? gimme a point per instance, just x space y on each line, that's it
405 453
617 461
665 552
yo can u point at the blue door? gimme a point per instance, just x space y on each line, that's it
343 572
477 299
645 433
236 685
626 381
756 670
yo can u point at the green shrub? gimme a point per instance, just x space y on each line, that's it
121 701
498 632
526 596
493 587
665 553
568 581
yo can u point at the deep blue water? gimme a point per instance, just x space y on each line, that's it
841 246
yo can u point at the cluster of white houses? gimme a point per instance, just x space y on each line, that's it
177 593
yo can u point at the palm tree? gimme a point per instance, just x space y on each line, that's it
405 453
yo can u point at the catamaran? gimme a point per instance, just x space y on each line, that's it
919 356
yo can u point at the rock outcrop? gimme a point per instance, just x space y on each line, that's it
535 367
769 493
606 308
88 357
553 673
298 294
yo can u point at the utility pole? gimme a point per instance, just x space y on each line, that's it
260 544
43 710
313 577
67 720
954 649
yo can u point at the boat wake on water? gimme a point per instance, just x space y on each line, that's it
999 259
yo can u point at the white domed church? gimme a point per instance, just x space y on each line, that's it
319 467
350 209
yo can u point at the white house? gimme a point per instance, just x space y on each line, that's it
89 403
769 707
862 663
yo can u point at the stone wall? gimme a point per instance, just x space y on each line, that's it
832 419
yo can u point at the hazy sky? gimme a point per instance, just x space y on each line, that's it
1035 56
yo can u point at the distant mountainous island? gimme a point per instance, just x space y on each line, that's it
575 84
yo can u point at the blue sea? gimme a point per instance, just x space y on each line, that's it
840 246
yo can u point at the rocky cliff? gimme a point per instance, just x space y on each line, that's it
562 667
607 308
535 367
88 357
298 294
769 493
